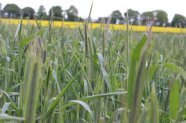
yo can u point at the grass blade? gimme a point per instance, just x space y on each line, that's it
174 100
30 38
88 98
58 98
90 11
135 59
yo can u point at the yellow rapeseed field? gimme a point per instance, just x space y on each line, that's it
93 25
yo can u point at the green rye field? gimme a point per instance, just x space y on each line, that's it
60 75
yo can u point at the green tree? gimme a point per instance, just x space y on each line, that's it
72 13
28 12
178 21
162 17
146 16
116 15
13 10
41 13
56 12
133 16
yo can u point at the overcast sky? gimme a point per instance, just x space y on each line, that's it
104 8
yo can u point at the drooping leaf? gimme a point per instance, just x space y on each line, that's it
8 117
83 104
176 69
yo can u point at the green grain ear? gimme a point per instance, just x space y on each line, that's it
32 83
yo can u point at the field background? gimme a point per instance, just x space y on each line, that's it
135 28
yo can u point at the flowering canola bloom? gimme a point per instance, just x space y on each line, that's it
67 24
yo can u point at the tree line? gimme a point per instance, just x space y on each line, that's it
133 17
157 17
55 13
